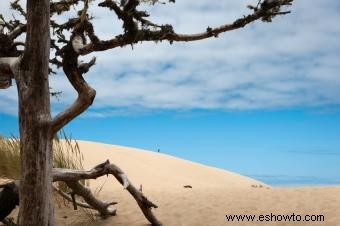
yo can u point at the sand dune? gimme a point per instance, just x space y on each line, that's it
215 193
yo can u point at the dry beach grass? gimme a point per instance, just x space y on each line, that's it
66 154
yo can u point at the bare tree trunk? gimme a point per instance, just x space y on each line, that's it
34 119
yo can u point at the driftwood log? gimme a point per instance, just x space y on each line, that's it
9 197
72 178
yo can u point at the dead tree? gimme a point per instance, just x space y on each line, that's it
30 69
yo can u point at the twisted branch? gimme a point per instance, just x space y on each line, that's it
265 12
86 94
71 178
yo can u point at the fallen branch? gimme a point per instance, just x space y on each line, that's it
70 199
102 207
72 178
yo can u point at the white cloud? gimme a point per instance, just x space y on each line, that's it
291 62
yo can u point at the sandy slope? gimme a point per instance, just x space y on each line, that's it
214 193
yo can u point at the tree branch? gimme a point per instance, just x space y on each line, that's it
62 6
16 6
85 67
85 98
166 32
126 15
69 176
8 68
17 31
102 207
69 198
86 94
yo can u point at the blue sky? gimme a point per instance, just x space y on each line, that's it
263 101
280 147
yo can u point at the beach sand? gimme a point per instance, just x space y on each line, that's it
215 193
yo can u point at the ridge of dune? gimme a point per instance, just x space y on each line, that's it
158 170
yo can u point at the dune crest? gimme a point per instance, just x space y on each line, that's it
158 171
